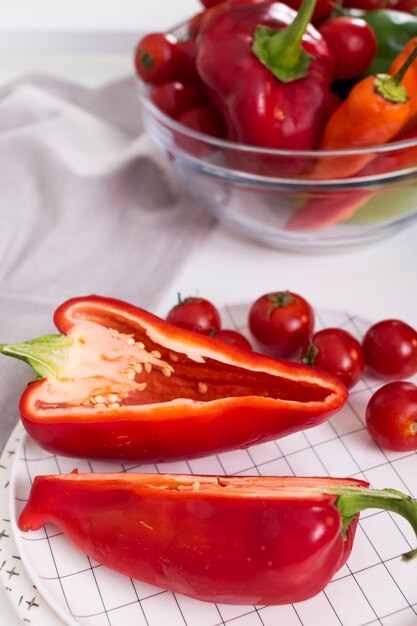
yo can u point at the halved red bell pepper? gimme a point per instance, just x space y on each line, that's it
238 540
120 383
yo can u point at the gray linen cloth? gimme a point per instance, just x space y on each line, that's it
87 205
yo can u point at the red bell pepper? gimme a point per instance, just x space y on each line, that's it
121 383
264 62
238 540
322 9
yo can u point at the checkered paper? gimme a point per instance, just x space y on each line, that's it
374 587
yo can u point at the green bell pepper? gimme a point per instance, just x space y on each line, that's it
393 29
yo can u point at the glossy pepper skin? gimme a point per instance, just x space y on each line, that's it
120 383
237 540
260 109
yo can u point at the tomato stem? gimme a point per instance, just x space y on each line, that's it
310 355
280 299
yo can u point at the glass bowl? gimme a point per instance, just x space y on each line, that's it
277 197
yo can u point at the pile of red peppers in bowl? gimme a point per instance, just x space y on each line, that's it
334 83
117 382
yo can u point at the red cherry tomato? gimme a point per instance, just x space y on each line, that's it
196 314
204 120
335 351
232 336
391 416
175 98
353 44
160 59
390 350
282 323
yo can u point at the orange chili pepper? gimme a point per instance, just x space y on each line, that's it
409 80
375 111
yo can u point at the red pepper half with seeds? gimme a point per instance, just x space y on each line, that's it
120 383
238 540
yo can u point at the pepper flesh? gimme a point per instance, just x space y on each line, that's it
128 385
238 540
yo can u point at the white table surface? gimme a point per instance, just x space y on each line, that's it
376 282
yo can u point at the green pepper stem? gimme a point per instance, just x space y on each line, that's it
351 500
46 355
391 87
281 50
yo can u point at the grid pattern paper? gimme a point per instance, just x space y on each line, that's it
374 587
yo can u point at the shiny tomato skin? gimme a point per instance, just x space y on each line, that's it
353 44
160 59
339 353
174 98
391 416
228 335
390 350
204 120
197 314
281 322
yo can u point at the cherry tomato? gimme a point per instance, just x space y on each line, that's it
390 350
204 120
335 351
353 44
281 322
391 416
175 98
196 314
232 336
159 59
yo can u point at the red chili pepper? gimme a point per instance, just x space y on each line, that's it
122 383
237 540
264 62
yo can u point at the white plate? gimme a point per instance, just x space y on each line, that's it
375 587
